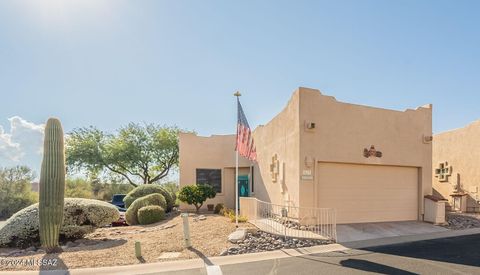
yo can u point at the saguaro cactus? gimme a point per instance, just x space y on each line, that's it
52 186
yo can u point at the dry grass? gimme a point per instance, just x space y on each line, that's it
115 246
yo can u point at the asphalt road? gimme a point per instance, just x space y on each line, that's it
458 255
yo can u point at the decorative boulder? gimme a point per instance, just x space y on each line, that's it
80 217
238 235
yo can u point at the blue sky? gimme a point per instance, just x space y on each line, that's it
106 63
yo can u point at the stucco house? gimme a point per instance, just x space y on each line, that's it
456 175
370 164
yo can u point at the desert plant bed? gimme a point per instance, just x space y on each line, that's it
116 245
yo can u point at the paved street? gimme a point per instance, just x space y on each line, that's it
457 255
2 222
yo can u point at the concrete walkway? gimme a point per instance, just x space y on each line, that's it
205 263
367 231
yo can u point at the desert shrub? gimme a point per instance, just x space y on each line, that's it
81 216
105 190
131 216
196 195
148 189
219 207
16 190
150 214
230 213
78 188
110 189
172 187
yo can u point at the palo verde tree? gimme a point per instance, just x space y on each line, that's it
142 154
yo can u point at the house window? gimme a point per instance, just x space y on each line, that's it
212 177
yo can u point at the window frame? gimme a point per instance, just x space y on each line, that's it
221 179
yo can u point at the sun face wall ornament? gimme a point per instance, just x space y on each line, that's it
371 152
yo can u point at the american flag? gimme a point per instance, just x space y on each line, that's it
245 145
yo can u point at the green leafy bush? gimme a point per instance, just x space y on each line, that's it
219 207
196 195
148 189
80 217
172 187
150 214
78 188
16 190
131 215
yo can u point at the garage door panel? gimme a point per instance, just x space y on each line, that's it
368 193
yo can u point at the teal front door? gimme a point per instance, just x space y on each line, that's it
242 187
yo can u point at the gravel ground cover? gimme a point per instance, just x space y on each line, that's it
116 245
258 241
458 221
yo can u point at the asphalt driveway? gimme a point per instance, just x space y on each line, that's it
457 255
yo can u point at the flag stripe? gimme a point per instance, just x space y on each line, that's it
244 144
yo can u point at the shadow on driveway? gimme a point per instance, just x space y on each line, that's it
358 264
462 250
369 266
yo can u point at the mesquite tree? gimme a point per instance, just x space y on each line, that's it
141 154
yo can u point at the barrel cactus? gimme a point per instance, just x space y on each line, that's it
52 186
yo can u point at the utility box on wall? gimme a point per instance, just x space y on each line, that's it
434 209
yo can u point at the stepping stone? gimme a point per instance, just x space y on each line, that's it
169 255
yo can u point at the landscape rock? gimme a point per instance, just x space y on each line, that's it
238 235
459 221
261 241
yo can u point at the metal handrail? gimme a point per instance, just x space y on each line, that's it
295 221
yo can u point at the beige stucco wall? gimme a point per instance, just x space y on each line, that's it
461 149
279 137
343 130
214 152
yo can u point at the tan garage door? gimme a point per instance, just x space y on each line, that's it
368 193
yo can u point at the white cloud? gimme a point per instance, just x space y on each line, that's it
22 144
9 150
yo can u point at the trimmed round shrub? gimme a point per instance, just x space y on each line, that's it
150 214
148 189
174 198
131 216
80 217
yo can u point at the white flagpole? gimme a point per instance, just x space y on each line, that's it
236 188
237 94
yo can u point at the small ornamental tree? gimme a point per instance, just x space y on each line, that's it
196 194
